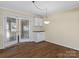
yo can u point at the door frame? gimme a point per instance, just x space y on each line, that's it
20 39
5 44
5 40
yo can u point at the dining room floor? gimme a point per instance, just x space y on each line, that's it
38 50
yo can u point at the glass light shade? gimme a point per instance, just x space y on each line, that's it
46 22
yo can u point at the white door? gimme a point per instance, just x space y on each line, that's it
11 37
16 31
24 35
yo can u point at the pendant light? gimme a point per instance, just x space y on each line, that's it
46 21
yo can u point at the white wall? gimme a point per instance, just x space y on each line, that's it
64 29
1 30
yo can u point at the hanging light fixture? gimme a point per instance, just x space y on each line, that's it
46 18
46 21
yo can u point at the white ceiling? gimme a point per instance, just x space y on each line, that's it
52 6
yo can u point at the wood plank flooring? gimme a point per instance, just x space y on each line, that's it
38 50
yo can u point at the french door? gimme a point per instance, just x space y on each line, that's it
16 30
11 31
24 33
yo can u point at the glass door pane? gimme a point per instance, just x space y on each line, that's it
11 30
24 29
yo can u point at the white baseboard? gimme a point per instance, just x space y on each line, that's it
63 45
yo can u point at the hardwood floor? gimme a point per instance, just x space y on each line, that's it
38 50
